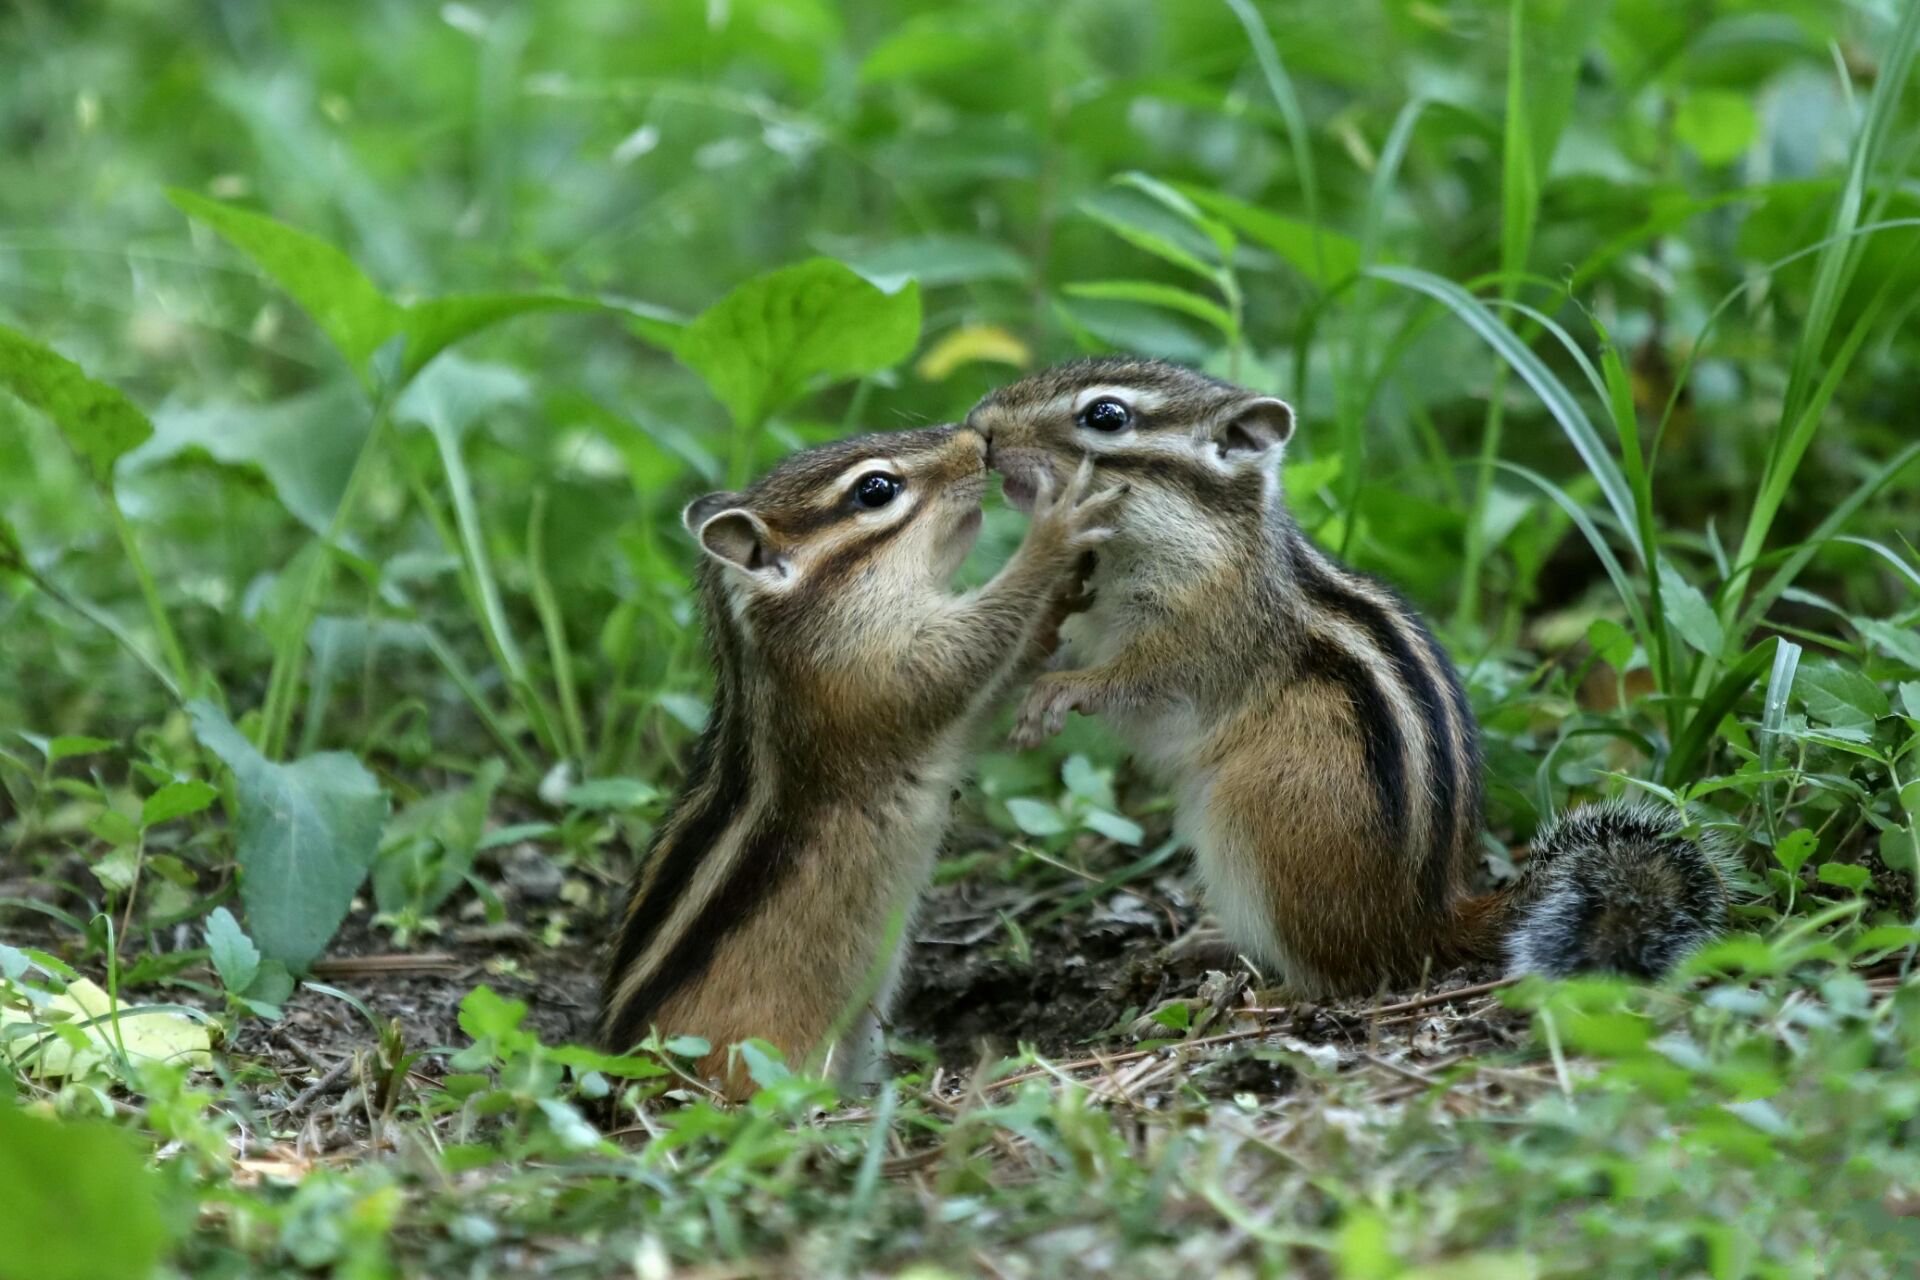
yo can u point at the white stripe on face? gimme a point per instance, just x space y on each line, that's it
1137 399
858 469
894 511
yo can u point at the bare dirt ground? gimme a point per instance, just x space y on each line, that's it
1075 984
1078 993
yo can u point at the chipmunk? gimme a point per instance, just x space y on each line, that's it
849 680
1324 761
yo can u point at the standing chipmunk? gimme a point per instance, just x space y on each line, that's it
1324 761
849 680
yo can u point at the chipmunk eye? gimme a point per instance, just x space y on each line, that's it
875 490
1106 414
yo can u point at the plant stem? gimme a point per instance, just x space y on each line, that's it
150 591
106 624
1467 613
290 659
547 605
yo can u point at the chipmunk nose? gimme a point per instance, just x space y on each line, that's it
982 426
980 438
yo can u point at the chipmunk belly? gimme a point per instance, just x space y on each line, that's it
1229 874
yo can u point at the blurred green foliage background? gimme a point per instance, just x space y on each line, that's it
1599 319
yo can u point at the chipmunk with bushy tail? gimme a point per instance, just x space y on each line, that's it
1324 762
849 682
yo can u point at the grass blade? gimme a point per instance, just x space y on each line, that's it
1622 584
1827 531
1553 393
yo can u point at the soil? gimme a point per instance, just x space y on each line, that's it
1075 979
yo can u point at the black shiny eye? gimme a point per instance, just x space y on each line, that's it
1106 414
875 490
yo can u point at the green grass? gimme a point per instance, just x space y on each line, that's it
356 360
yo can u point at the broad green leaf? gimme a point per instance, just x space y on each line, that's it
485 1014
177 800
306 835
348 307
1840 696
1690 613
1606 1034
97 422
687 1047
305 445
1845 875
1083 780
1897 846
1114 827
1910 699
429 846
764 1064
115 828
1718 124
1325 264
1036 817
454 395
235 957
433 325
762 346
81 1203
1902 643
1612 643
1793 852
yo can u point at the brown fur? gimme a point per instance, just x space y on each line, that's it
1325 764
849 680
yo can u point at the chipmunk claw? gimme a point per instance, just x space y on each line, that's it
1044 712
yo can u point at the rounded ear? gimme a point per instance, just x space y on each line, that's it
701 510
740 538
1253 427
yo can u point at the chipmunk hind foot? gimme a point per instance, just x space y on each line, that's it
1615 887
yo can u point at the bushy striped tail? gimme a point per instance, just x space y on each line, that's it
1613 887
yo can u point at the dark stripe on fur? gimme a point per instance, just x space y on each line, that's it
1436 869
1380 740
849 558
1242 491
686 837
767 857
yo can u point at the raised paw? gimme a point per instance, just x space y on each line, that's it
1044 711
1082 517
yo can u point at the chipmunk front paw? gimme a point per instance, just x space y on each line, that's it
1044 712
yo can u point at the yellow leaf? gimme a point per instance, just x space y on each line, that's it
159 1036
972 344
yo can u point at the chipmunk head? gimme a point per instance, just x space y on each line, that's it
1187 445
858 523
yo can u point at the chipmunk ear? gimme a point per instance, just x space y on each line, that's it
733 535
701 510
1253 427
